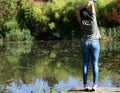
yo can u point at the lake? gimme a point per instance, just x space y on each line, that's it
44 66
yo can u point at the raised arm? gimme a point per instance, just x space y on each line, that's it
93 8
90 4
78 8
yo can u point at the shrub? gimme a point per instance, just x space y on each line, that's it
18 35
8 11
108 14
52 19
14 33
56 18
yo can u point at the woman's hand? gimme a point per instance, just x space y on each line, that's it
90 3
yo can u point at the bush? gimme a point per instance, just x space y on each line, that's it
56 18
51 19
14 33
8 11
18 35
108 13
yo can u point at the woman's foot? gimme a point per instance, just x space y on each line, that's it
94 87
86 88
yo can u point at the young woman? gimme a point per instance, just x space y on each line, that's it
86 16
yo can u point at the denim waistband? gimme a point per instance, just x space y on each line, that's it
90 39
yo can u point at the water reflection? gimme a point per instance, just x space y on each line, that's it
54 65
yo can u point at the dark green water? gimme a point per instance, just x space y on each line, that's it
27 67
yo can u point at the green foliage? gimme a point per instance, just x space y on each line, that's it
52 18
14 33
107 13
27 35
11 24
57 18
110 33
18 35
8 11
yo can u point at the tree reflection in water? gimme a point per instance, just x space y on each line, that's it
57 63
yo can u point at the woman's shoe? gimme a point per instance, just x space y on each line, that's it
94 88
86 88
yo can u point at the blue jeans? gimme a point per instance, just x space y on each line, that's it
90 50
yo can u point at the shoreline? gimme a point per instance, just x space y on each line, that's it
99 90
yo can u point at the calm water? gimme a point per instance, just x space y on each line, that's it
57 65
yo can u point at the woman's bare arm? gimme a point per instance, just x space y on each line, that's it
93 8
89 4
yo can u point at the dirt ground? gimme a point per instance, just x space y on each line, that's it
99 90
